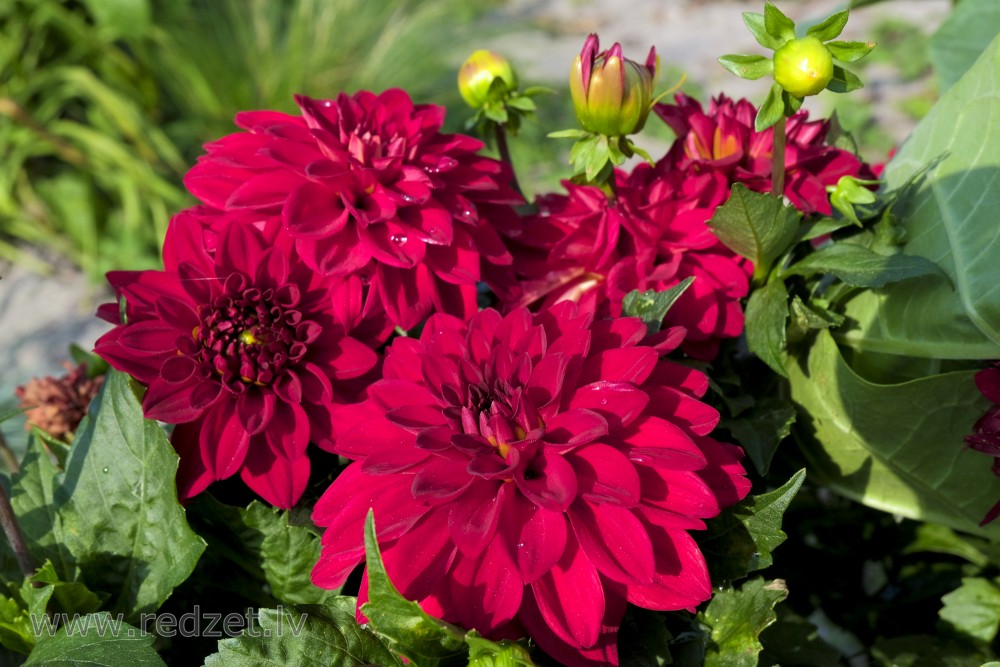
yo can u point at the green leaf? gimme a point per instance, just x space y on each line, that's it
307 635
755 24
804 319
771 110
742 538
95 639
69 597
793 640
830 27
920 650
407 628
504 653
736 619
935 538
643 639
652 306
16 633
755 225
778 26
121 18
761 430
821 227
894 447
114 513
844 81
569 134
766 314
950 218
859 266
286 553
747 67
973 609
849 52
970 27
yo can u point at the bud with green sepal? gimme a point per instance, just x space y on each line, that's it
848 193
612 97
801 66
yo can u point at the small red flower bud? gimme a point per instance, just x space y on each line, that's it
803 66
478 74
612 95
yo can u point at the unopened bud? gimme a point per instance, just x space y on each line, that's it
612 95
803 66
480 73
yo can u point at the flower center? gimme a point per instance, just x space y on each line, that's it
501 414
250 335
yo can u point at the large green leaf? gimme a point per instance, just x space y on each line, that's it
950 217
896 447
113 516
973 609
961 39
96 639
323 636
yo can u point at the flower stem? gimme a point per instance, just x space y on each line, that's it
778 159
15 536
501 136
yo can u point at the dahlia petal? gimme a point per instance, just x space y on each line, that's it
440 481
336 255
144 368
176 311
545 385
537 536
313 211
655 433
177 370
389 394
603 653
458 300
413 417
575 427
255 408
622 332
430 224
277 480
350 359
406 295
193 476
170 403
487 587
618 402
418 560
223 442
605 475
682 579
267 190
212 185
472 522
570 598
724 474
628 364
615 541
151 337
678 491
287 433
315 383
549 481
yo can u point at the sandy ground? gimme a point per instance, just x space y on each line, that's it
41 316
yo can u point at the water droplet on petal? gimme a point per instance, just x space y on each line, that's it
398 239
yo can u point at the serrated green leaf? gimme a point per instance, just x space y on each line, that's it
488 653
16 633
286 554
747 67
114 509
950 218
973 609
743 537
844 81
830 27
308 635
755 225
778 26
859 266
755 24
652 306
771 111
67 597
969 28
410 631
895 447
761 430
736 619
849 52
95 639
766 315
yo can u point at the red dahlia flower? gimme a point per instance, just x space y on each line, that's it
586 248
532 473
725 142
985 436
368 186
244 349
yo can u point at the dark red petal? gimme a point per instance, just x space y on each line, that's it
350 358
223 441
618 402
575 427
170 403
537 536
570 598
488 587
418 560
682 580
441 480
314 211
276 479
472 522
255 407
614 540
267 190
193 476
288 431
605 475
549 481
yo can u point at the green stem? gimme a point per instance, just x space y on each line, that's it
501 137
778 159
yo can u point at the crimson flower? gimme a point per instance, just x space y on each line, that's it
724 141
245 348
985 435
368 186
532 473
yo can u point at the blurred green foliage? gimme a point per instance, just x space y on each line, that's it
105 103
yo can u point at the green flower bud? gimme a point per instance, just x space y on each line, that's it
611 94
479 75
803 66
